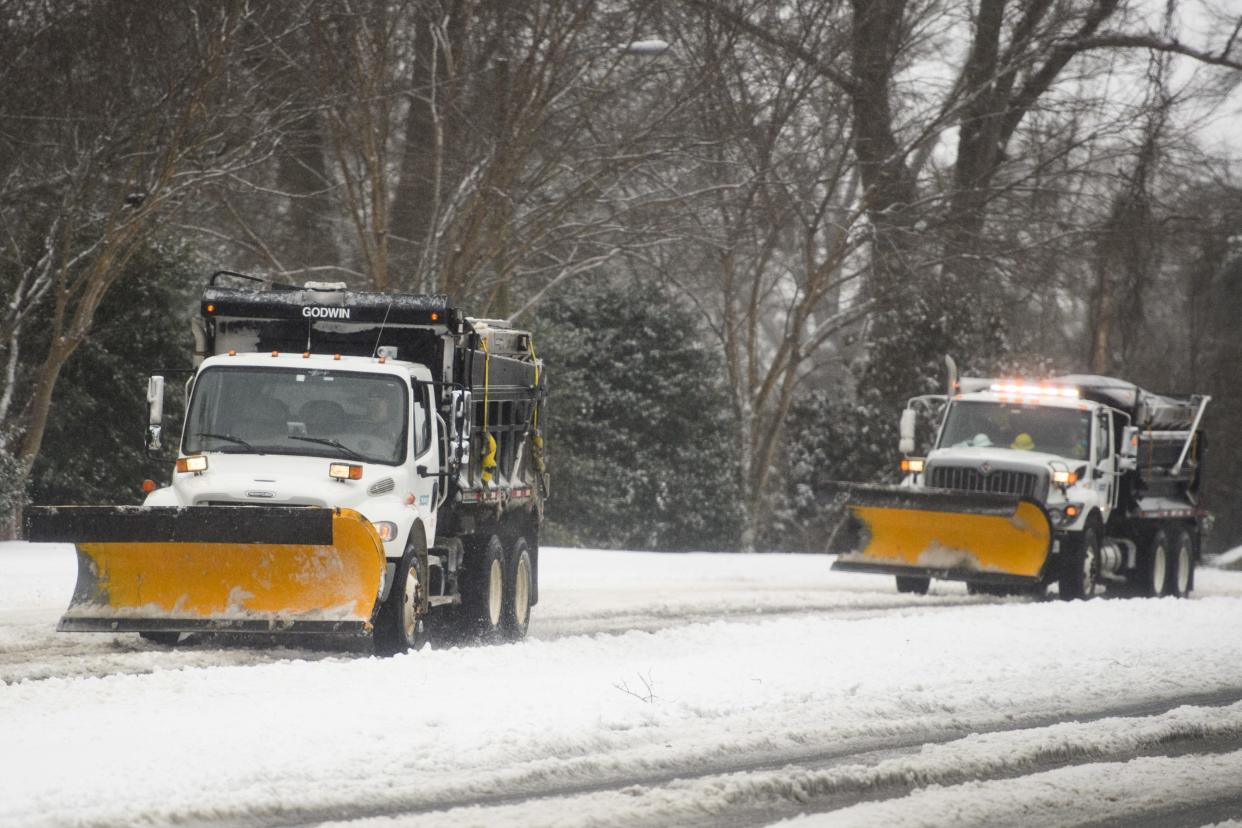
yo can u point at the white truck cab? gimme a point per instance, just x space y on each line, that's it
312 430
1037 441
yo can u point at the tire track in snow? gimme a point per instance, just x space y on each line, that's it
754 790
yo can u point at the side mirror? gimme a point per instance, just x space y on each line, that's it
906 445
461 410
1127 452
155 409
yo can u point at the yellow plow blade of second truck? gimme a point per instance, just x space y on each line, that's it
936 533
218 568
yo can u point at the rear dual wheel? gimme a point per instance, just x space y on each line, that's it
1152 574
1181 576
483 590
497 591
515 609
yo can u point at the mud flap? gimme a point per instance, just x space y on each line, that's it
965 536
218 568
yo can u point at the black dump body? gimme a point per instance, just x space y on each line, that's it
483 365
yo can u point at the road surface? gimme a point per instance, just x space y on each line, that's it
654 690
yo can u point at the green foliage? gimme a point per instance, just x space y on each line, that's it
828 439
93 451
639 427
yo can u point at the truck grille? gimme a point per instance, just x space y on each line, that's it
998 481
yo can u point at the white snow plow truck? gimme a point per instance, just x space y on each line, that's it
350 463
1083 481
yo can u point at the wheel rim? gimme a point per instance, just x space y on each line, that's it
1089 554
1183 570
521 591
409 608
495 584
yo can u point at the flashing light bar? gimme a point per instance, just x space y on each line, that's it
1035 390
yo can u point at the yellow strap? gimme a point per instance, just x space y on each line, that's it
487 370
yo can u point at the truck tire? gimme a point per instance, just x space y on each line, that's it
1080 565
515 614
402 622
1181 577
483 588
913 584
1152 576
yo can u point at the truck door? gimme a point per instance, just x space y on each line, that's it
1105 470
428 486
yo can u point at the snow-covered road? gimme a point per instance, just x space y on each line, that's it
655 689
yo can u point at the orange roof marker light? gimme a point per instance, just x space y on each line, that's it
1027 390
232 352
275 353
306 355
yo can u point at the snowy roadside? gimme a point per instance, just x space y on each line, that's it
297 739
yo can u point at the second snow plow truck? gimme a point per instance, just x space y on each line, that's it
350 463
1085 482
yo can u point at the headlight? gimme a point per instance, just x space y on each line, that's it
912 465
345 471
195 463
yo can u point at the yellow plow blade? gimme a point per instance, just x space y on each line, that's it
978 537
221 568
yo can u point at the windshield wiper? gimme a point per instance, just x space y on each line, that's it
327 441
228 437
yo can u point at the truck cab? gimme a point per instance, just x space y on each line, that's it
308 429
1042 442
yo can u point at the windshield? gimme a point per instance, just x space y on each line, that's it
1061 431
337 414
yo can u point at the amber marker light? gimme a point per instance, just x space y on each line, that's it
435 316
344 471
148 486
232 352
196 463
211 308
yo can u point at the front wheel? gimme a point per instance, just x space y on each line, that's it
402 624
1080 565
913 584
